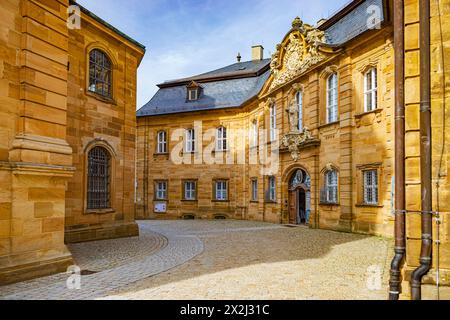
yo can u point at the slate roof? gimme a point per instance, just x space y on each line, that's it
353 23
232 86
239 69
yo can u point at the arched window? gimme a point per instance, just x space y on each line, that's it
331 187
162 142
332 98
98 195
299 100
221 139
370 90
100 73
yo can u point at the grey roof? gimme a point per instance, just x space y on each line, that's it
354 22
238 69
232 90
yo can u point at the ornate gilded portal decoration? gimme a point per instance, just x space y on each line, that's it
298 52
295 141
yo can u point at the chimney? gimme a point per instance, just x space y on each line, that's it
257 53
320 22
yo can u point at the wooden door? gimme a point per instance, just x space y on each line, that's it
293 207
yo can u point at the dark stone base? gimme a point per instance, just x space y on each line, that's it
93 233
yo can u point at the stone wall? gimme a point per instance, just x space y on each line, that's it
94 120
35 159
440 108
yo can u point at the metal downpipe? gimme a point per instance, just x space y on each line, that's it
425 153
400 202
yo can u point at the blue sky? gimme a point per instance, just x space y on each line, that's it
188 37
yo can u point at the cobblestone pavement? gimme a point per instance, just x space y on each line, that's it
248 260
221 260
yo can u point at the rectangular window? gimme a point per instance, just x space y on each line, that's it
273 122
221 190
193 94
299 98
370 90
331 186
221 139
162 142
161 190
254 190
332 98
255 133
272 189
370 186
190 140
190 190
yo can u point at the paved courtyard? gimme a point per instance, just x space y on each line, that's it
197 259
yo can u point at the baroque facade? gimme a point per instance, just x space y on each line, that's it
67 139
317 99
323 105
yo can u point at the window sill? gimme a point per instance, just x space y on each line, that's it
333 204
270 201
99 211
190 152
160 200
100 97
220 201
360 115
185 200
366 205
331 124
161 154
254 201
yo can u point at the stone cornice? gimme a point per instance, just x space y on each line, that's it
25 168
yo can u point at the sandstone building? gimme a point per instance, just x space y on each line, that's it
67 135
323 105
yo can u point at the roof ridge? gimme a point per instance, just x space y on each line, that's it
225 73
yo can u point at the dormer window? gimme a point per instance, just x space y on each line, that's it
193 94
193 91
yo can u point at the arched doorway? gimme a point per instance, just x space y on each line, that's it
299 197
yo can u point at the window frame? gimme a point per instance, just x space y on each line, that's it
108 170
193 97
272 122
299 100
372 93
161 143
373 187
332 188
332 98
221 139
272 189
190 141
157 190
254 189
106 70
190 190
223 193
254 134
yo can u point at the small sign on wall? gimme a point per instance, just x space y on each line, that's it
160 207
